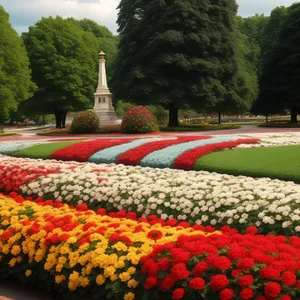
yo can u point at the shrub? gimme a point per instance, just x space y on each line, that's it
110 128
139 120
85 122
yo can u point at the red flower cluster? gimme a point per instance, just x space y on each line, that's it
135 155
13 176
227 266
187 160
82 151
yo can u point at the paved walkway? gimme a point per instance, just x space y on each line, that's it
26 135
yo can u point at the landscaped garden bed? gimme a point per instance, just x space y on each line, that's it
198 197
84 254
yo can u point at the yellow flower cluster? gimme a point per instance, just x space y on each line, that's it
64 240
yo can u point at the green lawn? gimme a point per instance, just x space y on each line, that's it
43 150
275 162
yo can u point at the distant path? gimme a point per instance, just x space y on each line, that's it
26 135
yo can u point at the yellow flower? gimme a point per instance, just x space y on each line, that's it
129 296
109 271
15 250
100 279
132 283
28 273
131 270
12 262
60 278
125 276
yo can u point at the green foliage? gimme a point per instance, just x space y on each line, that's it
15 74
273 162
159 113
123 107
139 120
43 150
64 64
281 72
174 53
196 128
106 41
85 122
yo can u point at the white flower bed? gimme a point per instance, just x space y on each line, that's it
198 197
272 139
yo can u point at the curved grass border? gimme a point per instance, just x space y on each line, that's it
274 162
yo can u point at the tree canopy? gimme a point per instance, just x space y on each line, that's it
64 60
279 84
174 53
15 74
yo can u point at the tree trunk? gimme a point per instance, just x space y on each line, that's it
43 120
267 120
294 114
173 116
219 118
64 117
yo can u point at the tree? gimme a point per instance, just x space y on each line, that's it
64 66
174 53
15 74
242 87
281 72
106 41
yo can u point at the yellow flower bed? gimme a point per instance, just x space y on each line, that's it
78 249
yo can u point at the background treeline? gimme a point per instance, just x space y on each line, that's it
190 56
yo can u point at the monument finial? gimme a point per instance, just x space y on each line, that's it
101 55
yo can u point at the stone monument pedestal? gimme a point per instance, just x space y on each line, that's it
103 97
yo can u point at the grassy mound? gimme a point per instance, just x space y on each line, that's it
274 162
43 150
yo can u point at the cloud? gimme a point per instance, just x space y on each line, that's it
251 7
25 13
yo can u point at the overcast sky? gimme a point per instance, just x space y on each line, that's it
24 13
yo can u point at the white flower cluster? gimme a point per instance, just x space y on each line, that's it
198 197
272 139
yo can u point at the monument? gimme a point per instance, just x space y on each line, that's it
103 97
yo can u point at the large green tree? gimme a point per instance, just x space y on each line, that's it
174 53
280 78
242 88
15 73
64 61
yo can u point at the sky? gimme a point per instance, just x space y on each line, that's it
25 13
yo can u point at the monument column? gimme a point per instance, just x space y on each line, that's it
103 97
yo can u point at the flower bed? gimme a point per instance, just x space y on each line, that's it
87 255
153 152
200 197
77 250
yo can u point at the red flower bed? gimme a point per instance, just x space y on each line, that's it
82 151
187 160
134 156
13 176
227 266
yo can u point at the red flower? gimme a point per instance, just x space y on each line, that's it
272 290
226 294
285 297
197 283
247 293
221 262
167 283
252 230
246 264
218 282
180 272
200 268
178 294
246 280
289 279
150 282
154 235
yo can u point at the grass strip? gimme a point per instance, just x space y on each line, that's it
43 150
274 162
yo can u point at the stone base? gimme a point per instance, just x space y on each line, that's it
108 118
